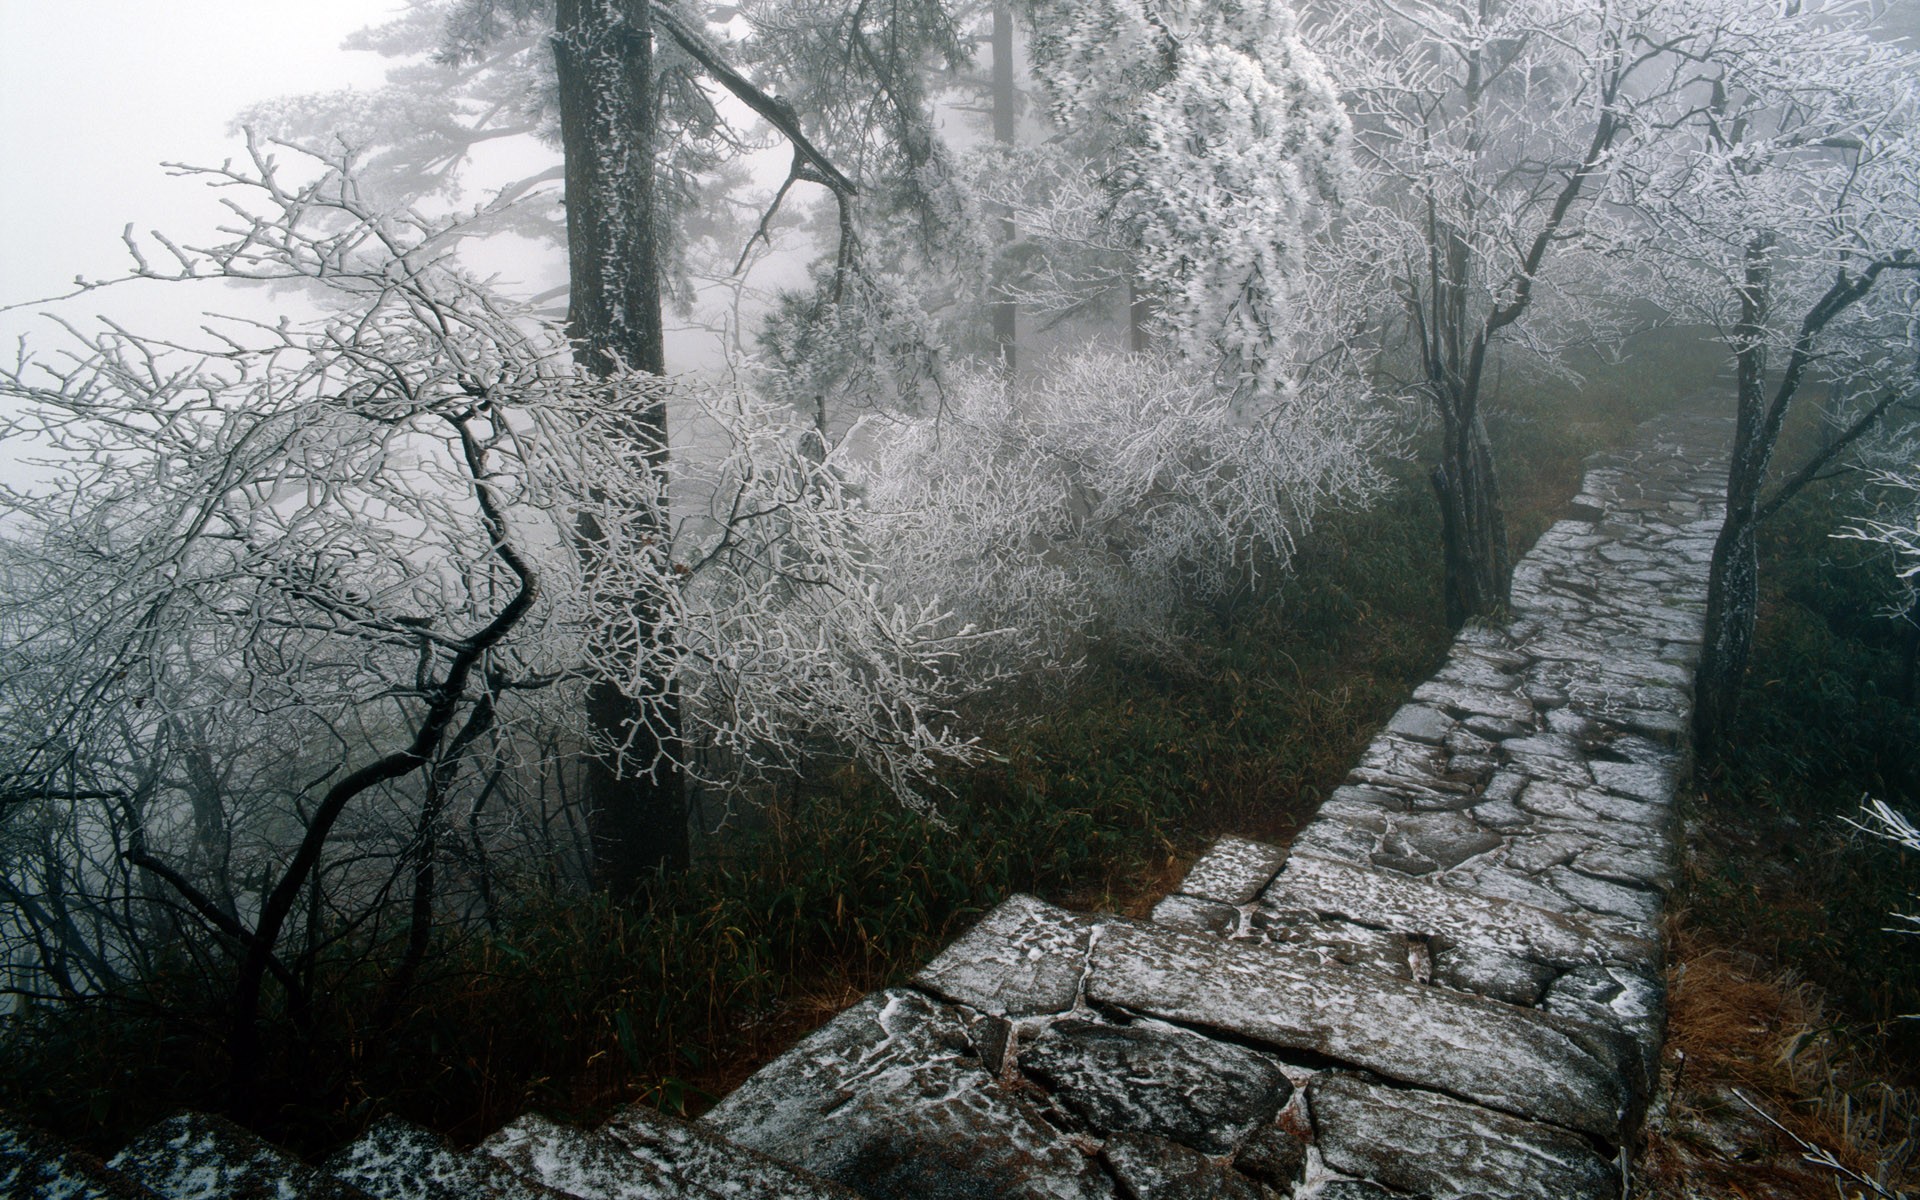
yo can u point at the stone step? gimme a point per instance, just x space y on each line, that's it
584 1163
35 1165
894 1099
696 1153
398 1160
1389 900
1531 1064
194 1156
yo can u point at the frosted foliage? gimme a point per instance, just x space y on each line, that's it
247 562
1112 487
1804 164
1228 147
1233 172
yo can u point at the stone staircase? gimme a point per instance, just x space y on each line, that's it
637 1155
1450 985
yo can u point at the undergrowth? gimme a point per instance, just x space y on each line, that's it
1099 801
1790 987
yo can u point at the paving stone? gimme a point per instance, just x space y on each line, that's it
1470 702
1463 741
34 1165
1458 918
1353 802
888 1099
1634 1001
1157 1079
1337 940
584 1163
1338 840
1421 723
1501 815
1640 866
1540 848
1197 916
1492 974
1548 799
1642 781
397 1160
195 1156
698 1158
1151 1168
1603 896
1022 959
1233 871
1354 1189
1446 839
1276 1157
1497 728
1437 1146
1524 1062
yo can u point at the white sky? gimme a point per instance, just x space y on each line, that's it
95 94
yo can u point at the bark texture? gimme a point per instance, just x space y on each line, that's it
603 53
1005 309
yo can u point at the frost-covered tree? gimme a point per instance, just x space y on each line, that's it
1105 494
1486 134
1223 149
1788 219
284 609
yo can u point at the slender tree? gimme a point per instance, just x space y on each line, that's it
1788 220
1486 134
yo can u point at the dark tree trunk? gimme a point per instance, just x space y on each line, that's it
1733 578
1005 310
1473 525
603 52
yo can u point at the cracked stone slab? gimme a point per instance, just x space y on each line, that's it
583 1162
1641 781
397 1160
1439 839
701 1159
194 1156
1469 702
1604 896
1233 871
1422 723
1024 958
1444 1148
1492 974
1524 1062
1548 799
1151 1168
1276 1157
1629 1000
1337 939
1434 911
1197 916
889 1100
1157 1079
1655 867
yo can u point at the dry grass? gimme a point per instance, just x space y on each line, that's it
1757 1080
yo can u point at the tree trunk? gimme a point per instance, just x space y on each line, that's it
1733 578
1005 310
1473 526
603 53
1733 596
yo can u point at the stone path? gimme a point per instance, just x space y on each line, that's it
1449 986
